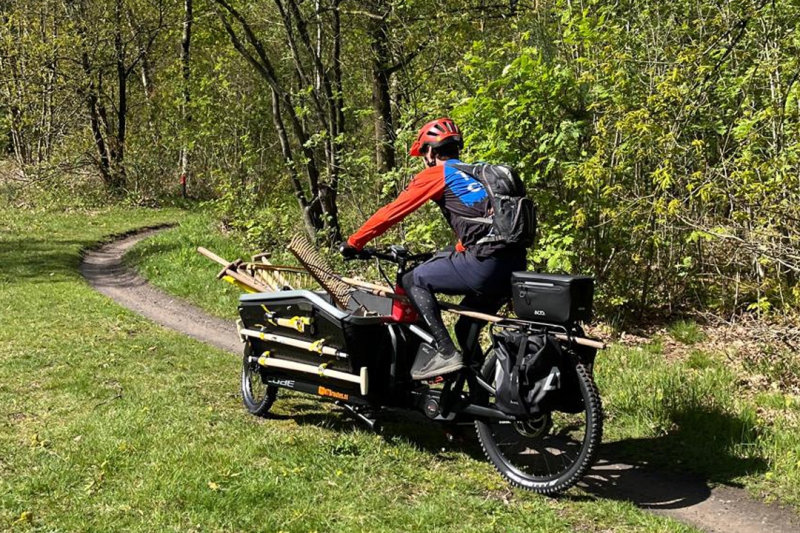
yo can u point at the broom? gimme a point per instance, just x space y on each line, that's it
319 269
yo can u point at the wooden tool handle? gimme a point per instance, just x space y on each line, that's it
368 285
275 268
463 311
597 345
230 269
383 290
211 255
247 280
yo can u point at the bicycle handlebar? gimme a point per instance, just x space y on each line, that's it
396 255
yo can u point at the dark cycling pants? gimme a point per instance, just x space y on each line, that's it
484 282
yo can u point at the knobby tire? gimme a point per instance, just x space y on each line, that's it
256 401
571 473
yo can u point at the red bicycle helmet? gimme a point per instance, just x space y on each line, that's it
436 133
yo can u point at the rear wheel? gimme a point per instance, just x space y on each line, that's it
257 396
550 453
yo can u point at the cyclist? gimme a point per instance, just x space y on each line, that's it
480 267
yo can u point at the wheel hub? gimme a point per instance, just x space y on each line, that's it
534 427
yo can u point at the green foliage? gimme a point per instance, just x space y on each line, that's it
647 144
696 414
660 141
699 360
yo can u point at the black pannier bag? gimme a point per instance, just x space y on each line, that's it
552 298
533 375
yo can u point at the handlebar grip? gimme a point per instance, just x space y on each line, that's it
365 253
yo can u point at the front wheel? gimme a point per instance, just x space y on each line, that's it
257 396
550 453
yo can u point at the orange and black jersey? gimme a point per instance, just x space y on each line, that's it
460 197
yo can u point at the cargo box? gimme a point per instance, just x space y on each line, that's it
552 298
304 327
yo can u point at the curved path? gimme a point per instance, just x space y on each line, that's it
104 270
719 509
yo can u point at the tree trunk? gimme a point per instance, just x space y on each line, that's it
15 94
118 154
332 117
337 67
381 99
186 116
103 160
330 194
320 211
312 219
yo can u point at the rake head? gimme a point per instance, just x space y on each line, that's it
320 270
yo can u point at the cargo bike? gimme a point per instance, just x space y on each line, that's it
355 342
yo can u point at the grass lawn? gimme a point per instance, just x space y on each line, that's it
110 423
693 414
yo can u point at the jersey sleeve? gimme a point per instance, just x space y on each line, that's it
427 185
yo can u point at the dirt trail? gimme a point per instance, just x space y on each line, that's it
690 500
104 270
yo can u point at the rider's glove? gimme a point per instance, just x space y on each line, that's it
348 251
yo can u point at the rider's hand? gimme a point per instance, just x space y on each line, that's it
348 251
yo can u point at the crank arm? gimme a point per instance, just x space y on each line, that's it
430 402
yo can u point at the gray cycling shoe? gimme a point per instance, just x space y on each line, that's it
431 363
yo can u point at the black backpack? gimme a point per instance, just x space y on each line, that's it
513 217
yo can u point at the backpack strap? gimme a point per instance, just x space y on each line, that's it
471 169
523 346
476 171
480 220
488 222
490 238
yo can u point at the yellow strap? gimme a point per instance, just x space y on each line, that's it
321 369
297 323
317 346
239 284
263 359
300 322
267 315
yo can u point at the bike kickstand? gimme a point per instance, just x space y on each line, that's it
371 423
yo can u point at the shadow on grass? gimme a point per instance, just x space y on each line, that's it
48 260
675 470
32 258
671 471
411 427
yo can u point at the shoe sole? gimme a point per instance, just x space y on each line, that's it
437 372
